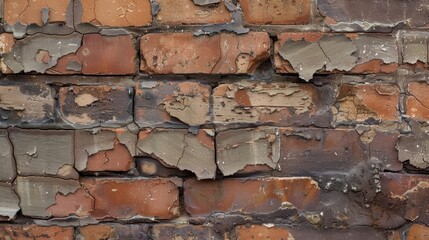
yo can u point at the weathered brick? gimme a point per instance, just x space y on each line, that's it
108 13
276 11
159 104
9 202
26 105
191 13
367 103
309 53
7 161
44 152
150 167
169 231
6 43
23 232
416 101
106 150
184 53
418 232
113 231
89 106
52 197
414 47
278 103
133 198
413 147
259 196
182 149
346 15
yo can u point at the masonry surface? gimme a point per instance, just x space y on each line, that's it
214 119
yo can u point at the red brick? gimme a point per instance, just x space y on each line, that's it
191 13
418 232
184 53
276 11
133 198
169 231
264 195
24 232
261 232
417 100
109 13
113 231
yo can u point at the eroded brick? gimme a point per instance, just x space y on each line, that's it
44 152
108 13
22 232
159 104
8 202
191 13
259 196
113 231
7 161
417 100
181 149
133 198
43 197
369 103
106 150
169 231
184 53
280 104
26 105
276 11
309 53
89 106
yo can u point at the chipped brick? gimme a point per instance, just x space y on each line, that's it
86 106
276 11
107 13
181 149
169 231
308 53
44 152
9 202
182 53
280 104
417 101
7 161
133 198
191 13
39 197
106 150
113 231
372 103
150 167
22 232
159 104
414 147
249 196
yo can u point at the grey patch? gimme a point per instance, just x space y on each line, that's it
193 129
133 128
77 12
24 51
376 47
32 90
45 15
148 84
74 66
17 29
236 25
415 147
155 8
71 221
415 47
114 32
86 28
205 2
8 201
50 28
70 14
7 169
129 140
331 52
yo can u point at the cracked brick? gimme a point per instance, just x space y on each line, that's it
417 101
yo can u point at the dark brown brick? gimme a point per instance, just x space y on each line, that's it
22 232
169 231
9 202
113 231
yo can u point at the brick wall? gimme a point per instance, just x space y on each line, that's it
214 119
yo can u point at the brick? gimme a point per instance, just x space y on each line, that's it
414 47
170 231
6 43
150 167
276 11
182 149
277 103
113 231
26 105
22 232
257 196
171 104
44 152
384 15
369 103
416 101
89 106
9 202
133 198
106 150
7 161
418 232
261 232
43 197
310 53
108 13
184 53
191 13
100 55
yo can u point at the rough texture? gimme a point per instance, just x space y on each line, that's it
417 101
8 202
22 232
184 232
113 232
7 161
